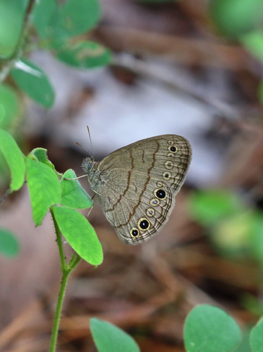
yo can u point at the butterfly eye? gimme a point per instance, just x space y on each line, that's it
160 193
166 176
169 165
134 232
143 224
154 202
172 149
150 212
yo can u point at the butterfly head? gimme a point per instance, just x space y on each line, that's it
90 167
87 165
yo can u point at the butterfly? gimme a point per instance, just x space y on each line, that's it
136 185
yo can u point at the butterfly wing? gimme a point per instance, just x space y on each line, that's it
139 183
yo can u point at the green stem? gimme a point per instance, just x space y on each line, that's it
54 335
66 270
9 62
59 242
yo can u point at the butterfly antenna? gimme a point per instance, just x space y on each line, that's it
86 150
90 141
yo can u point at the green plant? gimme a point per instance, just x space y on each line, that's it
52 191
109 338
234 227
61 195
210 329
27 25
9 245
236 231
62 29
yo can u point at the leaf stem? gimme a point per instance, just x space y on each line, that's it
57 316
5 196
66 270
59 242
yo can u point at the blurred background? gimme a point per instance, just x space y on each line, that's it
189 67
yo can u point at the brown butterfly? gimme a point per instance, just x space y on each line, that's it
137 184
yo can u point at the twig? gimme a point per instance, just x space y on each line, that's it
5 196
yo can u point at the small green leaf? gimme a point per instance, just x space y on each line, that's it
44 188
236 17
79 233
253 42
12 13
44 16
9 106
110 338
40 154
14 158
33 81
9 245
256 337
76 17
73 195
85 54
212 205
210 329
251 303
233 235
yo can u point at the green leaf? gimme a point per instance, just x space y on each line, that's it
79 233
44 16
236 17
253 42
44 188
9 245
256 337
12 13
85 54
76 17
210 329
233 235
14 158
209 206
109 338
9 106
33 81
240 235
73 195
40 154
251 303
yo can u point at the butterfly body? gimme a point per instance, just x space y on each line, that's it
136 185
